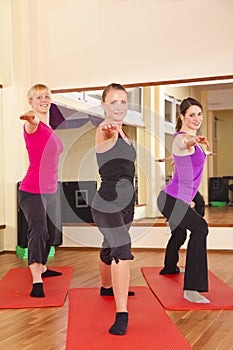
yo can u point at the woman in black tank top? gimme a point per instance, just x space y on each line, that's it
113 205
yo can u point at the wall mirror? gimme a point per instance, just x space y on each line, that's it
76 114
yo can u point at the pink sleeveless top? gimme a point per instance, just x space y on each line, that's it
44 148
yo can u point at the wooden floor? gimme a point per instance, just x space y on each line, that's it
37 329
215 216
219 215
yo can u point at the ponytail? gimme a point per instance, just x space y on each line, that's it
178 123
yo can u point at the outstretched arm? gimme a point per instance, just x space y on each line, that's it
190 141
108 130
185 141
106 136
31 121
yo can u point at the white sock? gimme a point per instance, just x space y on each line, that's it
182 269
195 297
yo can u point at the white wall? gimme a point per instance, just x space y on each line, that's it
2 211
78 43
14 74
14 164
2 217
144 237
92 43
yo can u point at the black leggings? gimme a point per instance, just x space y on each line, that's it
199 204
115 229
40 213
182 217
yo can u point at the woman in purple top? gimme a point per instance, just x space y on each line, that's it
174 203
37 191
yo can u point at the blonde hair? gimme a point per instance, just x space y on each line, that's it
37 88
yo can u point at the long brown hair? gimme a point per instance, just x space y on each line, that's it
184 106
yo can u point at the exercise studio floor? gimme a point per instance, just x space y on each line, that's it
215 216
45 328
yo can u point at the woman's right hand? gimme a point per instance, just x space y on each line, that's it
202 139
188 141
29 117
109 126
109 129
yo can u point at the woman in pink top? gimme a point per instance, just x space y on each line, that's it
37 191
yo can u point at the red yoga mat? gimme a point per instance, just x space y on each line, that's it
90 317
16 285
168 289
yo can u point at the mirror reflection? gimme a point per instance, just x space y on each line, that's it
150 123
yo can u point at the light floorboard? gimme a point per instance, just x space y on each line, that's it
45 328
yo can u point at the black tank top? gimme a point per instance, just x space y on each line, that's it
116 169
